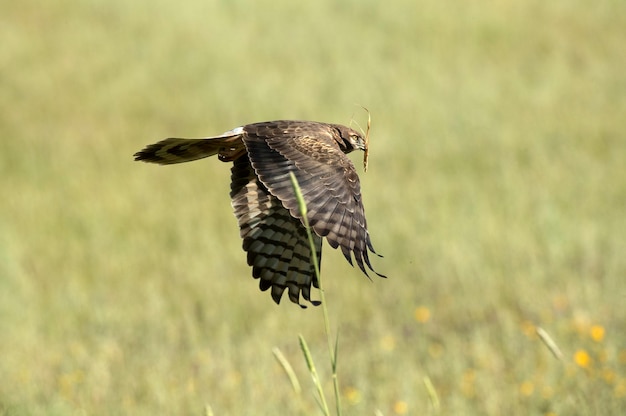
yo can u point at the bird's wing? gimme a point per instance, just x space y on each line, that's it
276 243
327 177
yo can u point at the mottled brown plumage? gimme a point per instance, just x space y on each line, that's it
264 201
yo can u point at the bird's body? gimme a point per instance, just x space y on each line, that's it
264 201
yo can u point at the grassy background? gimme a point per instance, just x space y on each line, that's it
496 192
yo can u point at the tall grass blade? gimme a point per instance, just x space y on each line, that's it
549 342
332 352
282 360
321 398
432 393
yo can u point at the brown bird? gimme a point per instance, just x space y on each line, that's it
264 200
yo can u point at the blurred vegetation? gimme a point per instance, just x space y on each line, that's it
496 192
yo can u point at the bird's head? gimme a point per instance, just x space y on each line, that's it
350 139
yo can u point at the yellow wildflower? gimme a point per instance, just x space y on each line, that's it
467 384
353 395
400 407
528 328
527 388
582 359
597 333
422 314
609 376
620 389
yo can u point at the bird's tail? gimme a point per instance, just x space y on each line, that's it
174 150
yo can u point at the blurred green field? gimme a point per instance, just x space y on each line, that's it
496 192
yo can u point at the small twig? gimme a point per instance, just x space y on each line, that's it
367 135
366 152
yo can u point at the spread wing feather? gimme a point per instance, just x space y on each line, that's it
329 183
276 243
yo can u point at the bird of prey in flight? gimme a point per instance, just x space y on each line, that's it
265 204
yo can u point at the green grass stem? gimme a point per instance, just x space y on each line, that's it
332 346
